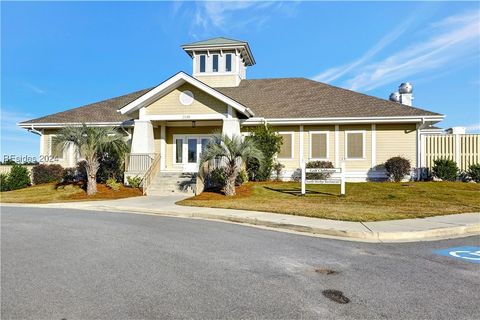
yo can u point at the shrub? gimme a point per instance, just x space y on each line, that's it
113 184
318 164
269 143
44 173
18 177
4 185
110 166
278 167
69 175
474 172
217 178
445 169
134 182
241 178
397 168
81 172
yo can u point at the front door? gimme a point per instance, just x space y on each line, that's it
188 150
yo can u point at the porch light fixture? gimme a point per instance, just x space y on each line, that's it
194 124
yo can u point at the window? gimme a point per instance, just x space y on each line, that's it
179 150
286 151
202 63
215 63
355 144
228 62
319 145
56 148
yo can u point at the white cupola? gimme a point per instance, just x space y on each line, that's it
220 62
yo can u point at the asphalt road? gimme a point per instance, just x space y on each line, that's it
68 264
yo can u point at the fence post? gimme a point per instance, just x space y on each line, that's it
342 177
302 167
457 155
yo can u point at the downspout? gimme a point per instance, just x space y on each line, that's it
419 149
33 130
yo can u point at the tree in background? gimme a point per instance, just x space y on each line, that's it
269 143
91 143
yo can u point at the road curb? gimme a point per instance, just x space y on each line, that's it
352 235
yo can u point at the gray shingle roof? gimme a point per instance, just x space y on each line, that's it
304 98
102 111
268 98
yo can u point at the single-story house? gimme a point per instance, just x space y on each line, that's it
317 121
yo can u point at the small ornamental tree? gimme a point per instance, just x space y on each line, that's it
397 168
445 169
18 178
232 153
269 143
92 142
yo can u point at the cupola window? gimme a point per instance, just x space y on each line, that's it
228 62
202 63
215 63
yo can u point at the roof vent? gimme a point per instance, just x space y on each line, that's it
395 96
403 95
405 87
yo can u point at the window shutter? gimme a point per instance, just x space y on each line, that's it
355 145
286 149
319 146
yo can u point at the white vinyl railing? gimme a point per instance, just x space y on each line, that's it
138 162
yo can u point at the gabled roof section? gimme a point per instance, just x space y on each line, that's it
176 81
300 98
221 43
103 111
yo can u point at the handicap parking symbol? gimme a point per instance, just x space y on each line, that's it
470 254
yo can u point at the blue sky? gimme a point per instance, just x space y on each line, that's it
59 55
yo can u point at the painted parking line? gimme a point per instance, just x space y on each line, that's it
469 254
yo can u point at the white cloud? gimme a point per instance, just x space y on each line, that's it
474 127
453 40
34 88
335 73
214 16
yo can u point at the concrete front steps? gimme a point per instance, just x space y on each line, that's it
172 183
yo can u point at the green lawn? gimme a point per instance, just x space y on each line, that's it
370 201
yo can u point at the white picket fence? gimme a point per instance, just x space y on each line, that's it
464 149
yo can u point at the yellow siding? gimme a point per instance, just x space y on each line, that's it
396 140
202 104
47 136
219 80
170 131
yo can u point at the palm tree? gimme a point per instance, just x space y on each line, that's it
92 142
233 152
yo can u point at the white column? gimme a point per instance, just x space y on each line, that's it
337 146
163 146
374 146
231 126
142 139
301 150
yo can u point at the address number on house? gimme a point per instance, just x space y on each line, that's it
323 170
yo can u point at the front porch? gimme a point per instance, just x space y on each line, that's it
171 147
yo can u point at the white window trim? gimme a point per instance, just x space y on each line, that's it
50 151
363 132
185 138
325 132
292 133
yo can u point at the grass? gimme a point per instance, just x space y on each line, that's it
48 193
370 201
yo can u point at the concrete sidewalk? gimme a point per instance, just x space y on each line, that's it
432 228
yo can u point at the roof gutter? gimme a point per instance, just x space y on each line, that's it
346 120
